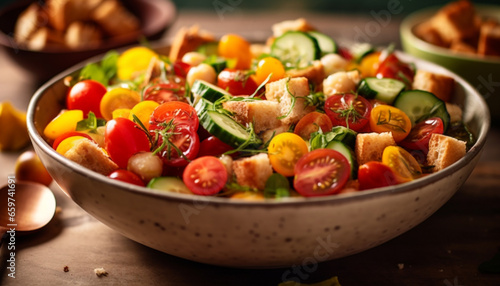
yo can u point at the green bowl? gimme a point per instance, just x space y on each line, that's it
482 72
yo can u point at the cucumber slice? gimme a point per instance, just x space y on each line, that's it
208 91
348 153
360 50
202 106
296 49
170 184
227 129
344 135
384 89
326 44
209 49
420 105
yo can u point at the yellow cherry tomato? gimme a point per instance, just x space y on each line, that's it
369 65
248 196
68 143
121 113
65 122
235 47
143 111
266 66
386 118
285 149
134 60
402 163
118 98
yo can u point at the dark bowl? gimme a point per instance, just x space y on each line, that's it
156 16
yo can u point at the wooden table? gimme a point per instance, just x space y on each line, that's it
444 250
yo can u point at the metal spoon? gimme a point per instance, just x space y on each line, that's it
25 207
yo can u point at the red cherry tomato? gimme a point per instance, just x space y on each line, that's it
311 123
123 138
343 52
236 82
321 172
164 92
375 175
212 146
181 112
181 68
205 176
86 95
420 134
349 110
69 134
392 67
127 177
180 137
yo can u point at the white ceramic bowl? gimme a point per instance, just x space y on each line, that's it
266 234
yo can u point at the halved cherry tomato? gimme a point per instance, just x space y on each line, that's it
174 89
392 67
349 110
321 172
311 123
182 146
285 149
181 68
86 95
180 112
65 122
212 146
69 134
205 176
267 66
236 82
402 163
232 46
420 134
118 98
375 174
386 118
127 177
123 138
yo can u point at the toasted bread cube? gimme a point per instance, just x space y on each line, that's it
341 82
454 111
263 114
291 25
463 47
283 90
489 39
457 21
81 35
188 40
444 151
268 134
61 13
253 171
370 146
27 23
314 73
115 19
440 85
91 156
428 33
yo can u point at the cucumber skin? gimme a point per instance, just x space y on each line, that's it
368 92
317 50
338 146
208 91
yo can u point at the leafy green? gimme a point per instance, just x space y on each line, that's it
90 123
338 133
102 72
277 186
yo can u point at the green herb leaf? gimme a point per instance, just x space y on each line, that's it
90 123
277 186
102 72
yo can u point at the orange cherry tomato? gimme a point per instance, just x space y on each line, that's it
386 118
402 163
235 47
311 123
267 66
284 151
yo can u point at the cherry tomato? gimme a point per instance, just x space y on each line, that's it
311 123
402 163
212 146
369 65
30 168
69 134
343 52
285 149
127 177
321 172
118 98
86 95
392 67
386 118
65 122
181 68
349 110
235 47
143 111
375 174
267 66
180 112
180 137
420 134
172 90
236 82
133 61
205 176
123 138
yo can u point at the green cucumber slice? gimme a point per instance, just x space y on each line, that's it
170 184
420 105
384 89
326 44
202 106
209 49
360 50
296 49
208 91
227 129
348 153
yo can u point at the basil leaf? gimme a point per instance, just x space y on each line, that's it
90 124
277 186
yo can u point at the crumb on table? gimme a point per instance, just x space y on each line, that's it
100 272
66 268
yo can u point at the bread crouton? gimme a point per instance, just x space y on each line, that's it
283 90
188 40
341 82
115 19
253 171
268 134
291 25
454 111
82 35
444 151
89 155
462 47
440 85
428 33
314 73
263 113
489 39
27 23
370 146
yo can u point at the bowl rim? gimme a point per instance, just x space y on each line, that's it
474 151
166 7
417 17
